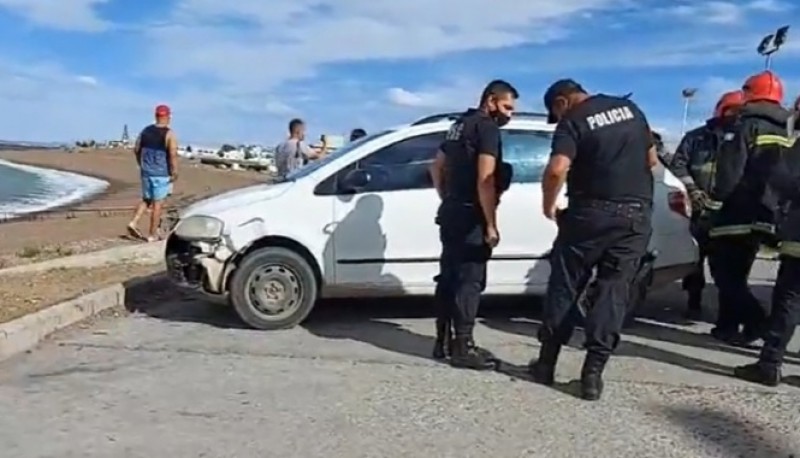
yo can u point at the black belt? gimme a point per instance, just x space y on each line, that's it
625 208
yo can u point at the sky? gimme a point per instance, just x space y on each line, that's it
237 71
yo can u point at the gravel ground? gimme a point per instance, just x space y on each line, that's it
25 293
182 378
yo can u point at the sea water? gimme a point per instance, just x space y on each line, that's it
25 189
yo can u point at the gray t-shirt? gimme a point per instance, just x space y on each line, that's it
291 155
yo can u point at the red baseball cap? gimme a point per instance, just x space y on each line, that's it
162 111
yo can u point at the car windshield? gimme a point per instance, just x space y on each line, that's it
313 166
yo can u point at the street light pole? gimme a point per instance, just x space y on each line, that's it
771 43
687 94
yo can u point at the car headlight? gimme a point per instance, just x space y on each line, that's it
199 228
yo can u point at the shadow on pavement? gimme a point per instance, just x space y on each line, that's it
367 320
158 298
792 380
729 434
364 321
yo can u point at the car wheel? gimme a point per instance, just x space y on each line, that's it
273 288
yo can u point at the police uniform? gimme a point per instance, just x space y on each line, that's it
741 224
773 175
462 230
607 225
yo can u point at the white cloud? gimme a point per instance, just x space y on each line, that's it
279 108
280 40
87 80
454 95
724 12
78 15
406 98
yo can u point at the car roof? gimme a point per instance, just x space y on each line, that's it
442 121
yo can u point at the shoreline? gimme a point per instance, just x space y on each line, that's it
103 217
112 186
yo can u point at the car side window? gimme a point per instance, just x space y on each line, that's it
400 166
528 152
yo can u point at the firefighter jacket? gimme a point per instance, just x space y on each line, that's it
737 189
694 161
776 170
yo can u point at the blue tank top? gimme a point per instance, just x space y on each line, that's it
153 147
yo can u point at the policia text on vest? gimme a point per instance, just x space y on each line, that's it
604 146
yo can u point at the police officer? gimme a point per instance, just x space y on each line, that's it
693 164
603 148
774 175
469 175
741 224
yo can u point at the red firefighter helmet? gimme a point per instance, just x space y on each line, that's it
728 100
763 86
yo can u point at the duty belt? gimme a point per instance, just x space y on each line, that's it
626 208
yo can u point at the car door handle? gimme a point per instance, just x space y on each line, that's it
329 228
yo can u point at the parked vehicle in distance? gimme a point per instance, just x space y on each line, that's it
360 222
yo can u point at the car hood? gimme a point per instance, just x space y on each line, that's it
237 198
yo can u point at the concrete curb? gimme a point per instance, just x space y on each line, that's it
24 333
145 254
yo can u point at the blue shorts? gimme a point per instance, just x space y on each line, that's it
156 188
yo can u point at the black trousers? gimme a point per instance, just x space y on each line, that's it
785 314
462 265
730 260
695 282
612 237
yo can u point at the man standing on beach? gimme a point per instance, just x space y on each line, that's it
294 152
157 155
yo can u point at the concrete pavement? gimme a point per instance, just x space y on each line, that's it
182 379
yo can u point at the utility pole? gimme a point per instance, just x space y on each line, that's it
687 94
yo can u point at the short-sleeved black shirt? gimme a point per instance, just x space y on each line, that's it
607 138
473 134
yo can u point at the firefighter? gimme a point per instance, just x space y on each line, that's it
693 163
741 224
775 176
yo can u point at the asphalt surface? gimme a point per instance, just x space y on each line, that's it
183 379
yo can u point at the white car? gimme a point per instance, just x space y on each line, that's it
360 222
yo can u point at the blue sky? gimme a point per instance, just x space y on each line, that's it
238 70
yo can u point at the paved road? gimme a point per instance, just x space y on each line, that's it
184 380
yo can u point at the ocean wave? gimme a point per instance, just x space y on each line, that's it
58 189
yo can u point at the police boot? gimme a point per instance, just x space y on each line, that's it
592 376
464 354
444 336
761 373
543 370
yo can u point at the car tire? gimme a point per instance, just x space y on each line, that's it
273 288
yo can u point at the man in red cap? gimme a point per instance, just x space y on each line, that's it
157 155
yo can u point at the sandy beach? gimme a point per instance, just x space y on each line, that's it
100 222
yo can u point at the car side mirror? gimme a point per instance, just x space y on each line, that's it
355 181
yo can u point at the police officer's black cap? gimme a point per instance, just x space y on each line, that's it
560 88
